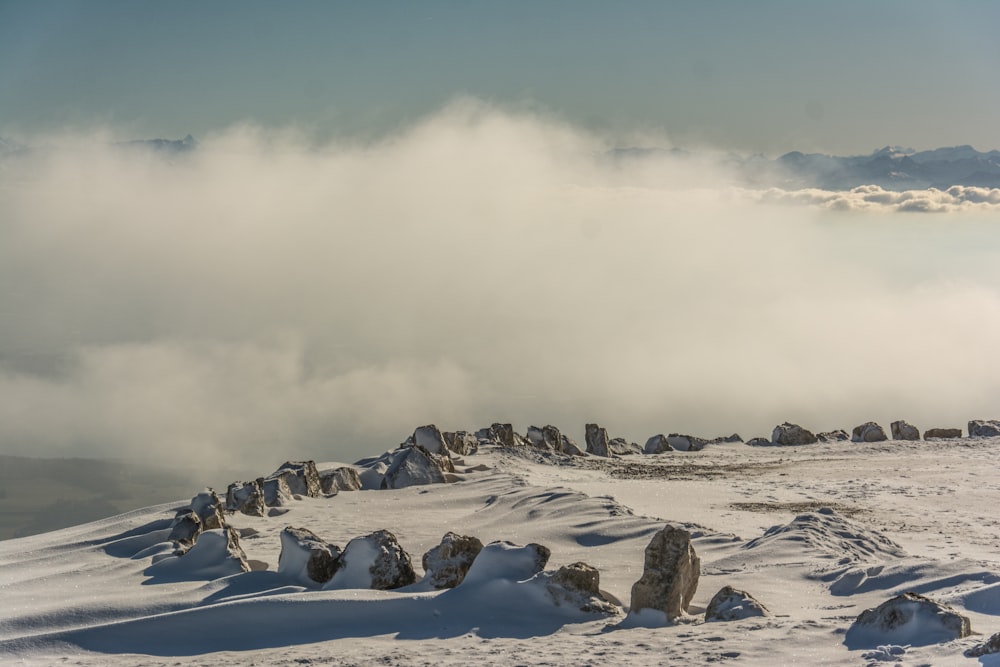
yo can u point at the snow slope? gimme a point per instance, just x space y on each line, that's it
817 533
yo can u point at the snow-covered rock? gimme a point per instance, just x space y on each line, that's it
908 619
413 466
546 438
430 438
504 435
373 561
505 560
301 477
670 574
307 558
686 443
657 445
988 647
217 553
570 447
942 433
622 447
735 437
579 585
246 497
868 432
902 430
759 442
446 565
984 428
208 506
185 529
826 532
730 604
276 489
335 480
461 442
597 440
791 434
839 435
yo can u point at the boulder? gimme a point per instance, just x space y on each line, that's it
984 428
903 431
546 438
735 437
908 619
942 433
840 435
446 565
670 574
686 443
301 477
868 432
209 509
461 442
307 558
579 585
275 488
570 447
246 497
759 442
217 553
505 560
335 480
597 440
373 561
413 466
730 604
657 445
791 434
622 447
431 439
504 435
185 529
990 646
535 439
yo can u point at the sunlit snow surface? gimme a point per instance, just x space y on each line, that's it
901 516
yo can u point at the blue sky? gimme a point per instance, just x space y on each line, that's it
764 76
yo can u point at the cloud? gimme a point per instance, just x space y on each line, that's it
263 298
872 198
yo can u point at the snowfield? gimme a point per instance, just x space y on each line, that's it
818 534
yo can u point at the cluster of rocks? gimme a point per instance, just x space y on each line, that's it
787 434
206 513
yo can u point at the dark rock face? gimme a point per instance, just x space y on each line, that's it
546 438
504 435
185 529
840 435
730 604
233 548
759 442
597 440
430 438
461 442
340 479
791 434
446 565
903 431
276 489
413 466
570 447
391 566
305 556
990 646
657 445
868 432
622 447
942 433
735 437
579 585
902 610
303 480
670 574
984 428
246 497
686 443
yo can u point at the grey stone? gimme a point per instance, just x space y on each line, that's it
446 565
303 479
791 434
307 557
390 568
335 480
210 510
246 497
901 430
730 604
840 435
185 529
670 574
868 432
657 445
990 646
597 440
579 585
901 610
984 428
461 442
942 433
686 443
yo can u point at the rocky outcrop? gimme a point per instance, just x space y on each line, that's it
912 618
246 497
791 434
579 585
984 428
903 431
374 561
461 442
446 565
185 529
759 442
730 604
570 447
335 480
657 445
622 447
597 440
414 466
275 488
505 560
988 647
307 558
686 443
840 435
504 435
670 574
942 433
547 438
301 477
868 432
208 506
430 438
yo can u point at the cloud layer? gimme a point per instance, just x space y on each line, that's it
874 199
262 298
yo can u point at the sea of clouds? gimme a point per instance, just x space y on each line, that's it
263 297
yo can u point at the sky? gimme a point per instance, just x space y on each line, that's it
401 214
767 77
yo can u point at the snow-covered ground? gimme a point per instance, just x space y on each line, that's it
817 533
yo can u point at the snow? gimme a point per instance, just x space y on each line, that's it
818 534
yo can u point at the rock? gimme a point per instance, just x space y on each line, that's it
735 437
622 447
505 560
301 477
731 604
413 466
208 506
570 447
942 433
545 438
535 439
840 435
990 646
903 431
431 439
670 574
185 529
686 443
984 428
275 488
759 442
446 565
217 553
461 442
307 558
909 619
657 445
791 434
246 497
597 440
868 432
373 561
335 480
504 435
579 585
